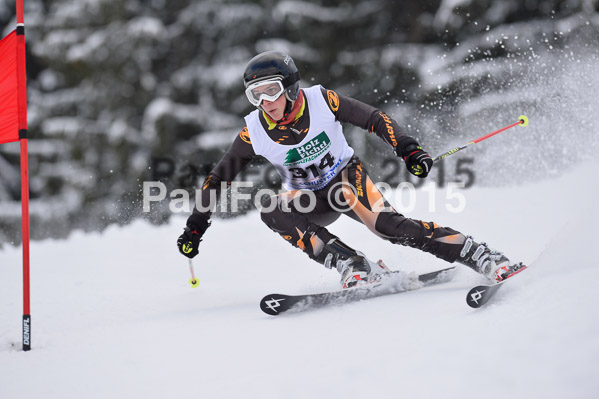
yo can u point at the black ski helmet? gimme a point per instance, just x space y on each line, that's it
271 64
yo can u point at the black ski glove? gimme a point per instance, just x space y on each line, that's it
418 162
189 241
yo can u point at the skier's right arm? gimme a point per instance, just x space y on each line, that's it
235 159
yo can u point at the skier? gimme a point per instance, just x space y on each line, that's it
299 132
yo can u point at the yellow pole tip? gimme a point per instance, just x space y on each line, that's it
194 282
523 120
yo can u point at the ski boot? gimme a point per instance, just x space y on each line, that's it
488 262
353 266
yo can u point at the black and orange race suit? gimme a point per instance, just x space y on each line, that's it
352 192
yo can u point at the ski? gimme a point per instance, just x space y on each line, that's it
382 284
481 294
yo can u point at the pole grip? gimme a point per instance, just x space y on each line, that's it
448 153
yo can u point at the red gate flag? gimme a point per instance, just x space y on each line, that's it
9 89
13 127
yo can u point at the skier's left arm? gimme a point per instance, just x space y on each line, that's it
367 117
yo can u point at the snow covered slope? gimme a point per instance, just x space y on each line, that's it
114 317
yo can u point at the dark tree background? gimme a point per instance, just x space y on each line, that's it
121 92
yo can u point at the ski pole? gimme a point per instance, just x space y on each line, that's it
522 121
193 281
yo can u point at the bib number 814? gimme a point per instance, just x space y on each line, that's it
302 173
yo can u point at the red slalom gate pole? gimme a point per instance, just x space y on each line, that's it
522 121
22 105
25 227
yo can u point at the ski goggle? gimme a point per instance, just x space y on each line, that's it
268 90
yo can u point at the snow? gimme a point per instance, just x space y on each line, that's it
445 15
63 125
313 11
113 315
143 27
215 139
93 44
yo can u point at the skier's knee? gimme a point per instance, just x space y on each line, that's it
268 210
276 218
268 204
399 229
